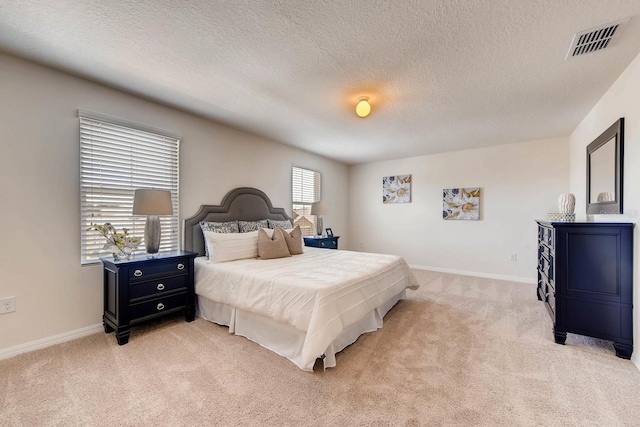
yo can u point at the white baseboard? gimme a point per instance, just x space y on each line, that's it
475 274
46 342
636 360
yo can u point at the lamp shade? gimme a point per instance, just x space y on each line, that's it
319 209
152 202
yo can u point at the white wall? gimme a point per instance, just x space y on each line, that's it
519 183
621 100
40 214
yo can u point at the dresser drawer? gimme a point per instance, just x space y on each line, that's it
545 251
548 293
157 287
550 299
545 281
547 236
157 306
149 271
546 266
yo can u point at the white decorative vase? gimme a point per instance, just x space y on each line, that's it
566 203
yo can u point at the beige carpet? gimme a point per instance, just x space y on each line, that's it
460 351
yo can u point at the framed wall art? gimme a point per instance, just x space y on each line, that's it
461 203
396 189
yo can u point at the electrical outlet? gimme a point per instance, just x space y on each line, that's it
7 305
514 257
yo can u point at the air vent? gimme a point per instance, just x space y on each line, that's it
596 38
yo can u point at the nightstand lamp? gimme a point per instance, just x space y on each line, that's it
319 209
152 203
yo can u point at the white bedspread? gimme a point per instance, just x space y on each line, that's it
320 292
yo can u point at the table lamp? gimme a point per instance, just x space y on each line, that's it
152 203
318 209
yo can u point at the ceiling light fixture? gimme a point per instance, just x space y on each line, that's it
363 108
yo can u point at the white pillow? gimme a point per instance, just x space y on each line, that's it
225 247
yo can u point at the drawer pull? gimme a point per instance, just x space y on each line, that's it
160 287
137 273
180 266
160 306
321 243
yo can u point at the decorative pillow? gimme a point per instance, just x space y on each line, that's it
275 247
217 227
220 227
269 231
273 223
247 226
293 239
225 247
289 232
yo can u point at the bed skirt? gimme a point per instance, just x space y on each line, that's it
283 339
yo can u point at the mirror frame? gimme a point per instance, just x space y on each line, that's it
615 207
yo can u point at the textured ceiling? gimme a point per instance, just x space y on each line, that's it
442 75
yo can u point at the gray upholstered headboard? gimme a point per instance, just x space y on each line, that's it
244 204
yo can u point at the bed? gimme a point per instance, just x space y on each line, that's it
304 307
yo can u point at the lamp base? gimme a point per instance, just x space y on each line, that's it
319 226
152 234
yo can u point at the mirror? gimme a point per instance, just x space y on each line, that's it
603 182
604 171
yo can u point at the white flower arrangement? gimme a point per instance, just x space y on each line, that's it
120 243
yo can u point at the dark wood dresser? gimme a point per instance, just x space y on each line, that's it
144 288
585 278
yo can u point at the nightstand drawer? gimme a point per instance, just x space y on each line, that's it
322 242
329 244
157 306
157 287
145 272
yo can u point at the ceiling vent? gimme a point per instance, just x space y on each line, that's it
595 38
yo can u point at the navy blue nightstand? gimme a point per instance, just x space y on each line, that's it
144 287
322 242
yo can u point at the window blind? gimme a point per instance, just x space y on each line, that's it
306 186
306 190
116 158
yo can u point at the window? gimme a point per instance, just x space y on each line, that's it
305 186
116 158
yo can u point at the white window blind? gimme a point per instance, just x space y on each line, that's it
306 190
116 158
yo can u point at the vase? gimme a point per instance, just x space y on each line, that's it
120 255
566 203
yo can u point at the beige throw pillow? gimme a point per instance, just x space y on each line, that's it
275 247
294 240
